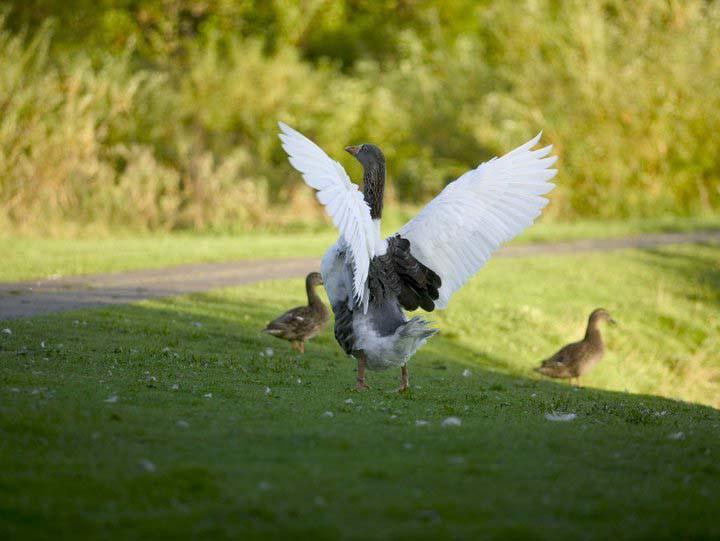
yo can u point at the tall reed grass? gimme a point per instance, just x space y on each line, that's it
629 94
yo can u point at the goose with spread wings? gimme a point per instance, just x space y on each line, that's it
371 281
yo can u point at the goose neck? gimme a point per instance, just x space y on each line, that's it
374 188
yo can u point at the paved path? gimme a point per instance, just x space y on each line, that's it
23 299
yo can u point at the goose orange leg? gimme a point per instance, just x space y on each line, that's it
404 379
361 385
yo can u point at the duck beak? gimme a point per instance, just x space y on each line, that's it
352 150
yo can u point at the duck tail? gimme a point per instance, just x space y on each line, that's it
271 331
542 369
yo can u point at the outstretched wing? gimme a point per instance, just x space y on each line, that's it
457 232
341 198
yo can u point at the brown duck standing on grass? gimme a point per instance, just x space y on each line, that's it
574 360
303 322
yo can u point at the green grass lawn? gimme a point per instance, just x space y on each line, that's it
26 258
220 456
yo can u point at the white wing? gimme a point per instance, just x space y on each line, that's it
342 199
457 232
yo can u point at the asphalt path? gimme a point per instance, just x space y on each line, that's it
36 297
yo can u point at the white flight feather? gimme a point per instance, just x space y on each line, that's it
457 232
342 200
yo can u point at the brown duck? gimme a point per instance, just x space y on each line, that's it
303 322
575 359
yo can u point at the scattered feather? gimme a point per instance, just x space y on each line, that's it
147 466
175 387
208 395
451 421
196 324
320 501
268 390
456 460
42 344
299 381
677 436
264 485
269 352
112 399
349 401
420 422
6 331
407 445
466 373
182 424
328 414
557 416
393 416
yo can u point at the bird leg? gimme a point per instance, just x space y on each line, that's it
301 346
404 379
361 385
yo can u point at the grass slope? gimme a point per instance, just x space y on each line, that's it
27 258
248 463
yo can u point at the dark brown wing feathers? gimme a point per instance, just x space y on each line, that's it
397 272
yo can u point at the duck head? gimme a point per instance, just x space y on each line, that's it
373 162
600 314
314 279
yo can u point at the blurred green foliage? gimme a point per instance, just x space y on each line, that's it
161 114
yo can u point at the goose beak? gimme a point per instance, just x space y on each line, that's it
352 150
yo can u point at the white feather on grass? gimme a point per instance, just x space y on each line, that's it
560 417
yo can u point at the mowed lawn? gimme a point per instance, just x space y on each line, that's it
172 418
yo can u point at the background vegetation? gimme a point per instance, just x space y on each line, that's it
160 114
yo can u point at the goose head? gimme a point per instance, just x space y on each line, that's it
369 156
